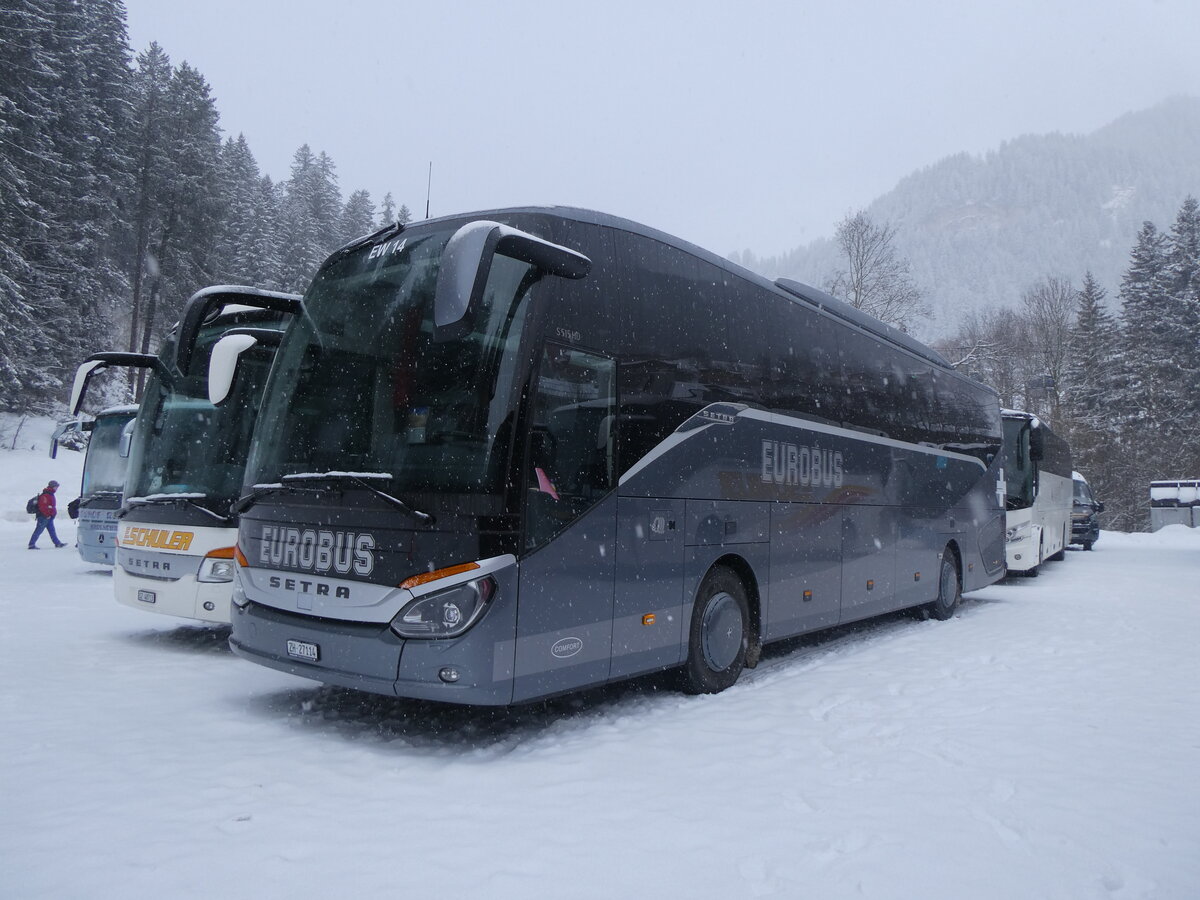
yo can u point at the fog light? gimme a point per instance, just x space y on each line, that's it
209 605
449 674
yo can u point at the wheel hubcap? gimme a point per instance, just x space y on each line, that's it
721 631
949 584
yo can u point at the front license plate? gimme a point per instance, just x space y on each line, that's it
304 650
147 596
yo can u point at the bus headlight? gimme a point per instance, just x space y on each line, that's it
1017 532
446 613
217 566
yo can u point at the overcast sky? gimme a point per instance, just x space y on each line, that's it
736 125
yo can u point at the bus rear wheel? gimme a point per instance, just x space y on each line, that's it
949 588
719 636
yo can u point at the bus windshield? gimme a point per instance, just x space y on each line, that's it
359 384
185 445
1083 494
1018 468
104 467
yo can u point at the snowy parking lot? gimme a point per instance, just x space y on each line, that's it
1044 743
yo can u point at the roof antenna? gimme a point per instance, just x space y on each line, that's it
428 185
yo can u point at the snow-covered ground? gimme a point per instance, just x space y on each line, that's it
1044 743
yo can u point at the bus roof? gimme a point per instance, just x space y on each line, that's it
785 288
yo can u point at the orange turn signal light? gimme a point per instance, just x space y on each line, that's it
240 557
221 553
649 619
426 577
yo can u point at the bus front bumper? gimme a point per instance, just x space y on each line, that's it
363 656
184 597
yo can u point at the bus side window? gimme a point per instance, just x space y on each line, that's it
570 458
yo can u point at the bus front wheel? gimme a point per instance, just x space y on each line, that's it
719 636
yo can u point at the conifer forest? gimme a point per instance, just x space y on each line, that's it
120 196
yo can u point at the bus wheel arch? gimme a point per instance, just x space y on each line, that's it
722 629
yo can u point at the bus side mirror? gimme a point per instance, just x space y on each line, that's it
1037 444
1099 506
127 438
79 387
223 362
467 262
98 361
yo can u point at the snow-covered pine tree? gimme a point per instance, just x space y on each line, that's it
1091 372
259 246
239 180
1181 273
1155 402
189 202
149 86
1090 379
91 133
358 216
311 212
27 161
326 199
387 210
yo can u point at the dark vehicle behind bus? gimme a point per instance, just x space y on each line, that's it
1085 514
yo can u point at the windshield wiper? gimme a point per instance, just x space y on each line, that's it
177 499
362 480
84 502
244 502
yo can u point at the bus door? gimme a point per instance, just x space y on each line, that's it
648 627
565 595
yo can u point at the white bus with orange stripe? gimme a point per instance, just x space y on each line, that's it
176 571
176 532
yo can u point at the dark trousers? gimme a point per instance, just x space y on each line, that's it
46 524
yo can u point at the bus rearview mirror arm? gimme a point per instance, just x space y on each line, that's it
112 359
467 262
205 302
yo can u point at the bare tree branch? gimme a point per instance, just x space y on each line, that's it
876 280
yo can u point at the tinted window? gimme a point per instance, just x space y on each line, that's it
571 455
678 356
803 375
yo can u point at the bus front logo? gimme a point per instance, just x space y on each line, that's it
566 647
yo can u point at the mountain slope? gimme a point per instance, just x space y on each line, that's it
978 230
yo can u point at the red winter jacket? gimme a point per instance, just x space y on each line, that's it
47 508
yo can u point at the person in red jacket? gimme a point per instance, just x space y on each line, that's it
47 510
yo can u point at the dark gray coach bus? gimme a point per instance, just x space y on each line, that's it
516 453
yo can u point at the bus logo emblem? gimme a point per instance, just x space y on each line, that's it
566 648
